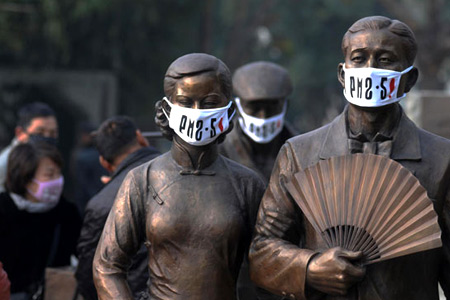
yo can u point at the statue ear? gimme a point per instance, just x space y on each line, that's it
166 107
340 74
411 79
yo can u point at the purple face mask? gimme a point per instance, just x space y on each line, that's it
48 191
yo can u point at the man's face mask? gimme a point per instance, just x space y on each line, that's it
40 138
259 130
371 87
198 127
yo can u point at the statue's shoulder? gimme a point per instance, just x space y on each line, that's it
238 169
435 140
155 165
310 136
308 142
434 147
159 161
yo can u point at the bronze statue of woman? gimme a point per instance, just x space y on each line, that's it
193 208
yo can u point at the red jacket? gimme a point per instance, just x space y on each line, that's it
4 284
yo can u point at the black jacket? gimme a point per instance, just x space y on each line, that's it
96 213
29 242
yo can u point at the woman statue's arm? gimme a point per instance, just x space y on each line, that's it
122 236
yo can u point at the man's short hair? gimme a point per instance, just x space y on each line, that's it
379 22
31 111
23 162
114 137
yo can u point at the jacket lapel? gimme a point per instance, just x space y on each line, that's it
335 143
406 142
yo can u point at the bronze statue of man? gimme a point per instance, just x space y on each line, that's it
262 90
193 208
287 256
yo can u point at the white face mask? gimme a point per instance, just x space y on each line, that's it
371 87
198 127
261 131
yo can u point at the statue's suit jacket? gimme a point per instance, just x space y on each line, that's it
285 241
237 147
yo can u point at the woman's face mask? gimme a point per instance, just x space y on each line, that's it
47 184
371 87
48 191
198 127
260 130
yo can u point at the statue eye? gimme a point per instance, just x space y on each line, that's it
184 102
211 101
385 60
357 59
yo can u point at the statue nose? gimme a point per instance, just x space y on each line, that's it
372 63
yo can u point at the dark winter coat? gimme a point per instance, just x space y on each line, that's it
96 213
29 242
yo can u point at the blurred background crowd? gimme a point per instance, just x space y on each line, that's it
90 60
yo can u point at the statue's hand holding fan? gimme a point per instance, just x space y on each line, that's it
367 203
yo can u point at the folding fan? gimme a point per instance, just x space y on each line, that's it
368 203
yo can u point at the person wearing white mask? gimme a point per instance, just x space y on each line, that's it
193 208
262 90
38 228
376 73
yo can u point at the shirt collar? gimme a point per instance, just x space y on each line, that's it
406 142
182 157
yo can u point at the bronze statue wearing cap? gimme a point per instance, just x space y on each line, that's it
287 255
193 208
262 90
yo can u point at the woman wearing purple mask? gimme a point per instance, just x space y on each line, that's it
38 228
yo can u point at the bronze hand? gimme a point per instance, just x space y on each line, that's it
332 272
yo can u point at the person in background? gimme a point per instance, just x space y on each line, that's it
36 121
85 167
4 284
262 90
38 228
121 147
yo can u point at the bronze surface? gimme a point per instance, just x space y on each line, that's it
193 209
289 257
368 203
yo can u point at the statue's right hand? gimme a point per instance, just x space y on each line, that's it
332 272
